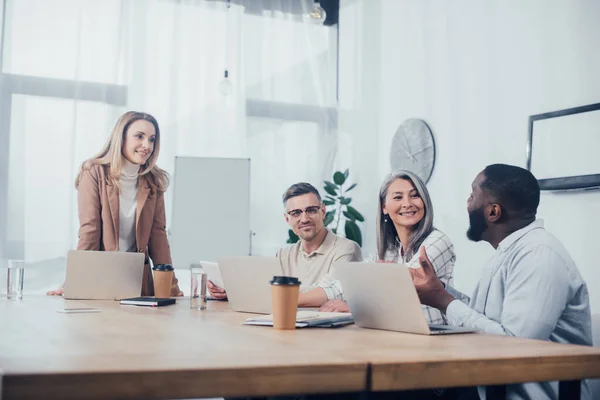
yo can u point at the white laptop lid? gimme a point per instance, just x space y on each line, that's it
247 282
382 296
103 275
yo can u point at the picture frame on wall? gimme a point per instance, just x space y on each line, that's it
563 150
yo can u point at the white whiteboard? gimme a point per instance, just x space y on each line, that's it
211 209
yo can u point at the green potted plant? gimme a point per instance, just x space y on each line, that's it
339 209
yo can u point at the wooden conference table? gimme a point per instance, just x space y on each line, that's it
174 352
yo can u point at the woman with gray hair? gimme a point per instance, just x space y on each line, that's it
405 224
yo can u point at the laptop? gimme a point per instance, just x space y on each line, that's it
103 275
247 282
382 296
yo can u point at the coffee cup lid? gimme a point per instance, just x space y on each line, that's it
285 280
163 267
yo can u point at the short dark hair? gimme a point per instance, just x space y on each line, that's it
515 188
298 189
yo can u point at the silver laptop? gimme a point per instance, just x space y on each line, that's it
103 275
247 282
382 296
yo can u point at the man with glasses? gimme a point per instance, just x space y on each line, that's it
311 258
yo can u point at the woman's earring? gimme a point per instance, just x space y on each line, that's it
385 218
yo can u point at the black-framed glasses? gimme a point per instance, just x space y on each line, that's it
310 211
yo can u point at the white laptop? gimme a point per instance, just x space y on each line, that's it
103 275
246 280
382 296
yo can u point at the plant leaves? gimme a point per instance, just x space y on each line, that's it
328 202
351 187
293 237
330 190
334 231
349 216
346 172
339 178
329 216
345 200
358 216
353 232
330 184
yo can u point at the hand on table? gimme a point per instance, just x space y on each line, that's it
335 306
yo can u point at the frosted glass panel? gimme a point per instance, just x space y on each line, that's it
300 52
66 39
282 153
49 139
566 146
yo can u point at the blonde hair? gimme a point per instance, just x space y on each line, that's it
111 154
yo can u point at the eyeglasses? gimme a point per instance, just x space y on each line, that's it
310 211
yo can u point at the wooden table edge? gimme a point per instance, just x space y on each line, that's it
387 376
189 383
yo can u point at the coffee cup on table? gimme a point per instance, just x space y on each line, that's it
163 278
284 298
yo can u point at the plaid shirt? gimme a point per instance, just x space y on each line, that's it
440 251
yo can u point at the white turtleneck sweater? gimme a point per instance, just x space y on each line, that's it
127 206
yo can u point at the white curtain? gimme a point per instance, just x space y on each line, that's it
71 67
290 68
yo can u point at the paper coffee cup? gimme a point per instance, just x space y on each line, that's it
163 278
284 297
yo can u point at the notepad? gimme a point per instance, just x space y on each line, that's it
76 310
147 301
308 319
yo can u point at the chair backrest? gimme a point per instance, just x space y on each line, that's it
596 330
594 384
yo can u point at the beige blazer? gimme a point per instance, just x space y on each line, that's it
98 202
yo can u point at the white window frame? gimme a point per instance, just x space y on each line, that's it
11 84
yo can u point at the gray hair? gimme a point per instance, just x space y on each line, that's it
386 232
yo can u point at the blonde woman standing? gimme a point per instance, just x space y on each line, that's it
120 197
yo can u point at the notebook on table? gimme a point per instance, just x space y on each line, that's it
148 301
306 319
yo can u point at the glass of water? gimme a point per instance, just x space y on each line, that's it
198 287
14 281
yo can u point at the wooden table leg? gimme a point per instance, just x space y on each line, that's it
568 390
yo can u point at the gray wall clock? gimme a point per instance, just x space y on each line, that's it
413 148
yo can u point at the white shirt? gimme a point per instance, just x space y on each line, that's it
532 289
127 206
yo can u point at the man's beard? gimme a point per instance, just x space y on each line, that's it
308 235
477 225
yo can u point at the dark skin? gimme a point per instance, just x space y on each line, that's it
430 289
